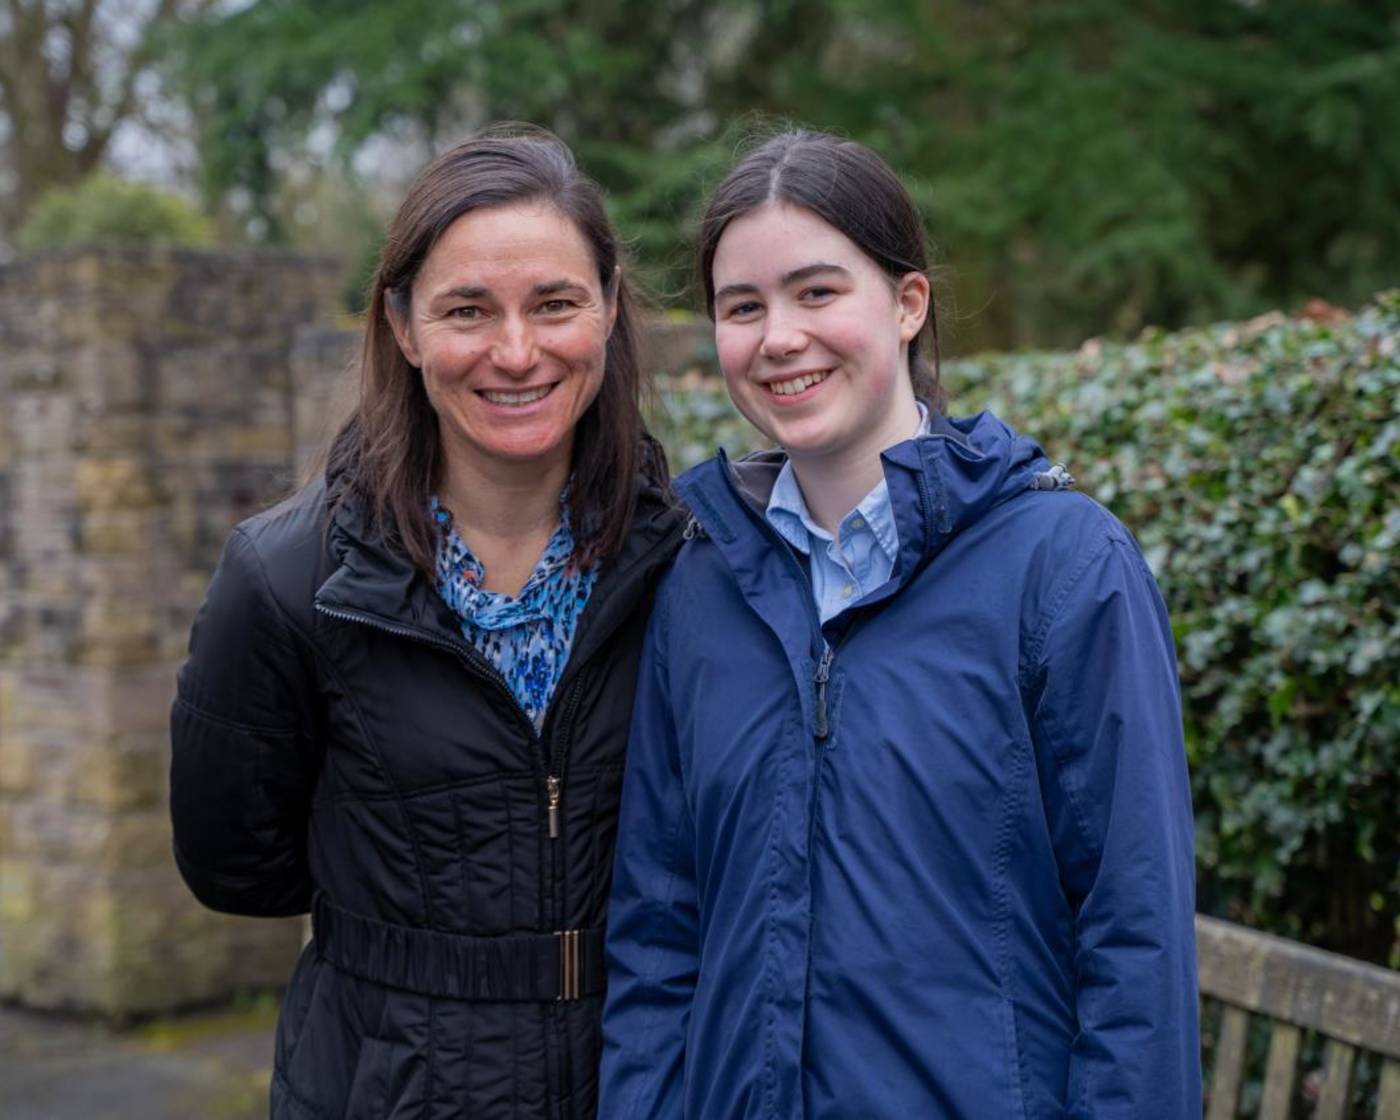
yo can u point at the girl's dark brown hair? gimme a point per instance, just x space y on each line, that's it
850 188
388 455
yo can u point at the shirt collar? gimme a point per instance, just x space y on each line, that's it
787 510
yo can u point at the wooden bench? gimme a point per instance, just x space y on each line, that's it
1354 1006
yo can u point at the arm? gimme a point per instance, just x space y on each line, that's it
653 917
1108 725
243 763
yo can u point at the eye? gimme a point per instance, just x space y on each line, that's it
817 293
557 306
470 312
745 310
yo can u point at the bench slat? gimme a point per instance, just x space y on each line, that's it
1388 1100
1336 1085
1345 999
1228 1073
1277 1102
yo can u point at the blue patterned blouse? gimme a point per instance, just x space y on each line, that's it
527 638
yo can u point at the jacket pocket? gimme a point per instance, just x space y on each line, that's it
381 1078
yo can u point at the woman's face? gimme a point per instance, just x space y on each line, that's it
812 336
509 324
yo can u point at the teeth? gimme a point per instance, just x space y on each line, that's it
516 398
794 385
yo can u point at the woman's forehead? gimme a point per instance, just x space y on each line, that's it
502 247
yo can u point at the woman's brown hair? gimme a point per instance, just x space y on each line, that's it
850 188
388 455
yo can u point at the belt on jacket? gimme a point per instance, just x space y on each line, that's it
566 965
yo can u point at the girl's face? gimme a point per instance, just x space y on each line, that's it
813 337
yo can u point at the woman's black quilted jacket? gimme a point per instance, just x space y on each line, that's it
339 747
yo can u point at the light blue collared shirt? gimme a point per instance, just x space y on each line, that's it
860 558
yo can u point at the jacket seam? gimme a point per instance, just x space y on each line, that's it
353 796
237 725
1011 812
283 615
1058 597
280 1078
352 702
1047 722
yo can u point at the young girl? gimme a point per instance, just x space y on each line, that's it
906 827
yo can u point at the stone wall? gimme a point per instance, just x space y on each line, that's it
146 404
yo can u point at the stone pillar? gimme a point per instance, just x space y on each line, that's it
146 408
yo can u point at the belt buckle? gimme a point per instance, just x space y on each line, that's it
570 964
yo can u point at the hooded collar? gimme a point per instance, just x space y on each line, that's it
940 483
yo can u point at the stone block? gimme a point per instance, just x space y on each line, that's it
170 951
270 443
138 699
127 772
18 909
136 840
49 701
123 482
119 531
53 833
110 376
42 423
117 632
109 435
66 961
18 771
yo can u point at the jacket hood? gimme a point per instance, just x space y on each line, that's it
940 483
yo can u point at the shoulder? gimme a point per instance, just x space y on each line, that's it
1059 531
280 554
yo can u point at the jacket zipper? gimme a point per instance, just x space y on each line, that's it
477 666
551 785
823 675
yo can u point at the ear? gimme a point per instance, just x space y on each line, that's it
614 285
913 297
403 332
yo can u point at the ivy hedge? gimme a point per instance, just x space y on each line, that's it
1259 465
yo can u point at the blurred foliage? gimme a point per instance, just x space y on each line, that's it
72 75
1258 464
103 207
1087 166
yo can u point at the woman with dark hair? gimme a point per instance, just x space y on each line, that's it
906 828
408 691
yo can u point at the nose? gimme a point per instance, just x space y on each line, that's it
513 349
782 338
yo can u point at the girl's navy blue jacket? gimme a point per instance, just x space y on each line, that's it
934 859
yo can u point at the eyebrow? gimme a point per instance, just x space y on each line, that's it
548 288
796 276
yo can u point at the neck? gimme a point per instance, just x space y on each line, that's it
835 483
505 512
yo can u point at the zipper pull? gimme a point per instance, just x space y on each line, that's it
823 675
553 787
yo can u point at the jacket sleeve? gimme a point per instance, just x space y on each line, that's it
1108 726
243 759
653 916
